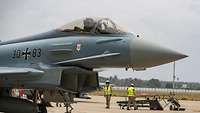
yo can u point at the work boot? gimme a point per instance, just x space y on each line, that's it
135 107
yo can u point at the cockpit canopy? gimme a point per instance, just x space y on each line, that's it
92 25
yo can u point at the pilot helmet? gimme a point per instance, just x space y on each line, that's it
89 23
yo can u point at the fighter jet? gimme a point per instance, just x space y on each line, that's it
60 63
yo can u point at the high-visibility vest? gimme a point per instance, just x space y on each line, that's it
107 90
131 91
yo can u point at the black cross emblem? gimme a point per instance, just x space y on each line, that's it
26 53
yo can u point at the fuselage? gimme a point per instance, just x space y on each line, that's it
31 53
84 50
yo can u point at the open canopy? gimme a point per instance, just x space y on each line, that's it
92 25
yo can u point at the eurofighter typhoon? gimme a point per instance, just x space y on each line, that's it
61 63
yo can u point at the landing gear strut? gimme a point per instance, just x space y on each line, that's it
68 99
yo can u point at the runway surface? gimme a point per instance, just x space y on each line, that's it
97 105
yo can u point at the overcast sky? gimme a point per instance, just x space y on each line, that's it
171 23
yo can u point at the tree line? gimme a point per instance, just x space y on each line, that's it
152 83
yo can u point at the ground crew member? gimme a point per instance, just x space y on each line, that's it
107 93
131 96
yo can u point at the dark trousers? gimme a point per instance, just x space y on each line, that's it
131 101
108 97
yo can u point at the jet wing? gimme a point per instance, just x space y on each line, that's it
12 73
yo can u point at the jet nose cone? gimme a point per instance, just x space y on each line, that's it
178 56
146 54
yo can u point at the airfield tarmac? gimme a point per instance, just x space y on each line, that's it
97 105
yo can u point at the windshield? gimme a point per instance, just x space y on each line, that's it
92 25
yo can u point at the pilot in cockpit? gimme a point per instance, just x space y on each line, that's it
89 24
